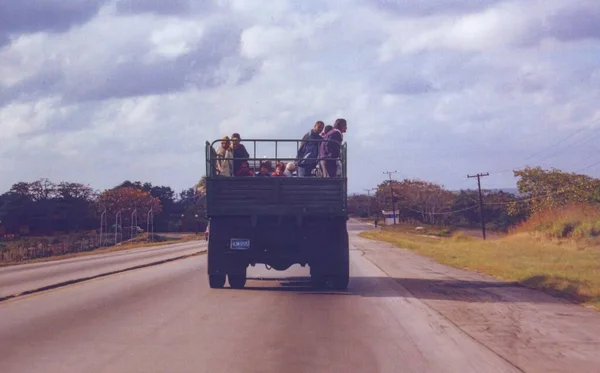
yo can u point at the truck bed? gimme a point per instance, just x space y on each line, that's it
275 196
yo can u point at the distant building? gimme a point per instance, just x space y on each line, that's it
388 217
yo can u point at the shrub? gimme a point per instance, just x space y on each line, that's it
574 221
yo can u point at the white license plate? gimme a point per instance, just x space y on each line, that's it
240 244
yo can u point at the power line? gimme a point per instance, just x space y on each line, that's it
443 213
589 166
580 141
556 143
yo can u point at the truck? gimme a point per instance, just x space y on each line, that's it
277 222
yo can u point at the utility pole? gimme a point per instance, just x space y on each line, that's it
392 193
479 176
369 200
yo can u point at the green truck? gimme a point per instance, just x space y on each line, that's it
277 222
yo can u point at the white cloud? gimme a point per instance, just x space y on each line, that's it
176 38
433 91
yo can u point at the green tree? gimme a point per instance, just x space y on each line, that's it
543 189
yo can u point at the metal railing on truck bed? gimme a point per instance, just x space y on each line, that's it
274 196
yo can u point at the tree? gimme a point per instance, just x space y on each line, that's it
201 186
75 206
464 202
361 205
128 199
42 190
166 196
543 189
417 199
13 211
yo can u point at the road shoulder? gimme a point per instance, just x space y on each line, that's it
531 329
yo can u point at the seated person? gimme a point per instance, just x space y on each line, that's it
265 169
269 165
244 169
289 169
279 169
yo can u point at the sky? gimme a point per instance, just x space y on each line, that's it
101 91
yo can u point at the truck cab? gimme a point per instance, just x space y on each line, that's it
276 221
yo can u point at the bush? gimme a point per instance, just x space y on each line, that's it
576 221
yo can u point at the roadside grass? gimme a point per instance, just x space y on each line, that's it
135 244
580 222
567 268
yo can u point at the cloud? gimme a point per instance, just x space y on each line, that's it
576 23
44 16
409 8
121 90
172 7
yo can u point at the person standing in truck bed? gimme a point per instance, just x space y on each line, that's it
239 152
225 158
332 148
308 151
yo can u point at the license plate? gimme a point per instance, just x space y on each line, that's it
240 244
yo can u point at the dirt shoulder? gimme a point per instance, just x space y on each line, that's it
533 330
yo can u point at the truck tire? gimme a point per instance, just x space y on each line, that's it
237 280
318 281
216 281
341 279
216 270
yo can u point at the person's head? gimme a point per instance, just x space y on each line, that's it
244 164
235 140
327 128
280 168
291 167
265 168
319 126
225 143
341 125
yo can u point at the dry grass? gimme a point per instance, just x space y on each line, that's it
128 246
567 268
578 222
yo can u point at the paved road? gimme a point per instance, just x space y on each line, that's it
166 319
21 278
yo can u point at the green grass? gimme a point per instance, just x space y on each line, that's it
569 268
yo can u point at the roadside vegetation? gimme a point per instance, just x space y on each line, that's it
42 219
38 249
553 244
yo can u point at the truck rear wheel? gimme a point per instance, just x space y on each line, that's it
340 280
216 281
318 281
216 271
237 280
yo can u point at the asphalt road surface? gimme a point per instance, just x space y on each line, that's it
402 313
17 279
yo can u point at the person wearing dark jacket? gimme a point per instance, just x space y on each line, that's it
308 152
239 152
332 147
